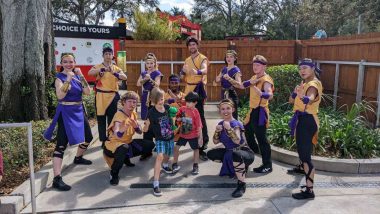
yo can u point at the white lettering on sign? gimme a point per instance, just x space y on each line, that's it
81 29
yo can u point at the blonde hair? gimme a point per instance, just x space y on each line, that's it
156 94
129 95
260 58
151 56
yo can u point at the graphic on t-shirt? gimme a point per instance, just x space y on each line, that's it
187 124
165 126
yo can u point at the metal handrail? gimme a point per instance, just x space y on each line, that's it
31 161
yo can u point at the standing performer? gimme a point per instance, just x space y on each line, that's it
194 73
121 147
230 76
304 123
236 155
261 91
107 87
73 127
148 80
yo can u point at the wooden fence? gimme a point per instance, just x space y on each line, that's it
350 48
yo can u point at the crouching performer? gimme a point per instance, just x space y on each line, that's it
120 146
236 156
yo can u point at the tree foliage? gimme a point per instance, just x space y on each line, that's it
176 11
149 26
93 11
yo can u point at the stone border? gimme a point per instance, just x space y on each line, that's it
20 197
356 166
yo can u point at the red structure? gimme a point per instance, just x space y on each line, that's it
187 28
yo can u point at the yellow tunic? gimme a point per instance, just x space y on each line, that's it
113 141
108 82
311 108
254 99
192 79
181 95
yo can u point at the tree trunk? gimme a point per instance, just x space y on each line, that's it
26 29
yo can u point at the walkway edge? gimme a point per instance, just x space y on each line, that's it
42 178
355 166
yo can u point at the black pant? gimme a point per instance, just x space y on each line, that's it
200 107
105 120
243 155
62 139
121 153
253 130
306 128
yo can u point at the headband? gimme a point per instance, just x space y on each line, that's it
259 61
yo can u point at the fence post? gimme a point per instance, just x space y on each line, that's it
336 85
378 104
359 88
171 67
142 66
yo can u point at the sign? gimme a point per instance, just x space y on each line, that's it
89 31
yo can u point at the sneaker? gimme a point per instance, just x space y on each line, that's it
59 184
304 194
296 170
263 169
195 169
128 162
157 191
203 155
114 181
167 170
145 156
175 167
80 160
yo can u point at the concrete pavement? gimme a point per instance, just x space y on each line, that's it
206 192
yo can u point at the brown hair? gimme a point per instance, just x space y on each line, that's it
129 95
151 56
226 101
156 94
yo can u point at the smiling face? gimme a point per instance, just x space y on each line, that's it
306 72
68 62
226 110
193 47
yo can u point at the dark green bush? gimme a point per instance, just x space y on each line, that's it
14 144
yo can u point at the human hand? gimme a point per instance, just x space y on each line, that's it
226 125
219 128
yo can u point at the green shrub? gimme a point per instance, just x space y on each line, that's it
89 104
285 78
14 144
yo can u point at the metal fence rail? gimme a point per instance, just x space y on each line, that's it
31 161
359 89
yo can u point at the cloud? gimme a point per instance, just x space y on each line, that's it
186 5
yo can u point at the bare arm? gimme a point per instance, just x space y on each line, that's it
268 89
219 77
146 125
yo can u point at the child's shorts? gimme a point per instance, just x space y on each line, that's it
193 142
165 146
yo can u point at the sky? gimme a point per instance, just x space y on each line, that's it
164 5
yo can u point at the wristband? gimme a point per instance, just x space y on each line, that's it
182 72
138 129
117 75
294 95
119 134
199 72
305 99
265 95
246 83
171 100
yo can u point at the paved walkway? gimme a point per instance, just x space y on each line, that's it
206 192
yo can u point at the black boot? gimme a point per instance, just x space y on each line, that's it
128 162
59 184
240 190
114 178
308 193
82 161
